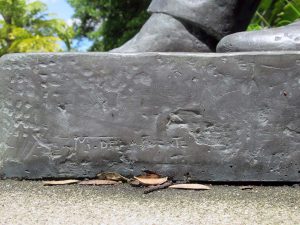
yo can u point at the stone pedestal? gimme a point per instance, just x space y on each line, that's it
213 117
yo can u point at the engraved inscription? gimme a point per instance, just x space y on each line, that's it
97 143
114 143
179 142
174 142
70 147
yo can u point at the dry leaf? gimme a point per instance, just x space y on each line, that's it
59 182
135 183
98 182
151 181
150 174
190 186
112 176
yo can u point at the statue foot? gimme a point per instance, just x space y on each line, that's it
286 38
163 33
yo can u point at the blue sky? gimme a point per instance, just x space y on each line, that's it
63 10
60 7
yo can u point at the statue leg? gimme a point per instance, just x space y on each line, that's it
190 25
286 38
163 33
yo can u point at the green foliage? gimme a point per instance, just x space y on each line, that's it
275 13
109 23
25 27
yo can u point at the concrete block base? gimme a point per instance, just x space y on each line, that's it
214 117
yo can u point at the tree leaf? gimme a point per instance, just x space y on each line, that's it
109 24
149 174
134 183
190 186
98 182
59 182
151 181
112 176
25 26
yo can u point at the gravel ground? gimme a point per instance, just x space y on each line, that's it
27 202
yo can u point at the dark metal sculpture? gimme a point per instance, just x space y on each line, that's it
285 38
199 25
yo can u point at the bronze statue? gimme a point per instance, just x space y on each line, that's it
201 25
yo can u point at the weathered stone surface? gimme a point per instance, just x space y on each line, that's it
221 117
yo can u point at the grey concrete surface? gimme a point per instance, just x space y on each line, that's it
221 117
29 203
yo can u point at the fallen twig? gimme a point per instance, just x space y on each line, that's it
59 182
190 186
157 187
99 182
246 187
